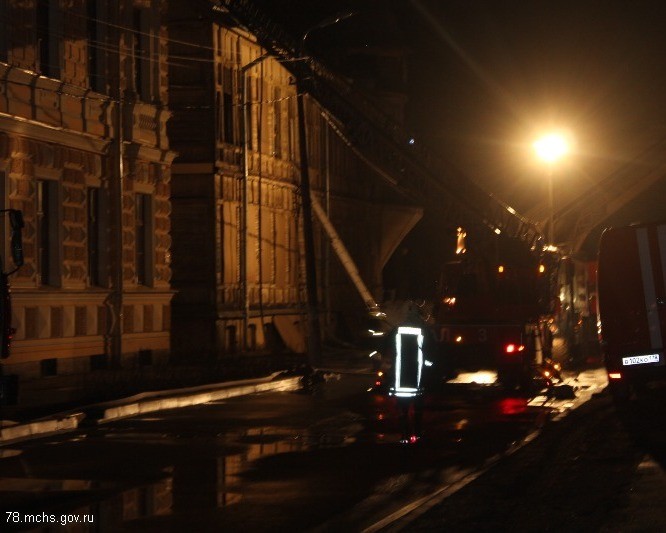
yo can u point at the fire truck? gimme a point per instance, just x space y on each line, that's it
8 383
632 307
488 312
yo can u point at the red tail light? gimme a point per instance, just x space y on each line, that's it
378 379
513 348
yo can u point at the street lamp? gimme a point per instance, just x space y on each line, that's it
245 136
550 149
338 17
314 329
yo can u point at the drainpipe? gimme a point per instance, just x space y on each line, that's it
117 305
327 249
314 327
245 293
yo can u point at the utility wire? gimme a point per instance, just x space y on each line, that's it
135 31
92 95
113 48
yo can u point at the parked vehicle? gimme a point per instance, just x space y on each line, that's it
8 384
487 314
632 306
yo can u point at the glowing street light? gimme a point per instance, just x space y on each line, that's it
551 148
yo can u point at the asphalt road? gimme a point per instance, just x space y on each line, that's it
591 471
329 460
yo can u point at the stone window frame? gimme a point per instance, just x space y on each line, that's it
53 35
100 279
54 229
145 29
145 272
96 37
4 35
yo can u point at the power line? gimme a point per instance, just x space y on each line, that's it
136 31
112 47
92 95
173 60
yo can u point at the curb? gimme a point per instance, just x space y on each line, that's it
145 403
39 428
183 399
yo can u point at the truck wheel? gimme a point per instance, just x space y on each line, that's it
509 381
641 390
526 382
621 393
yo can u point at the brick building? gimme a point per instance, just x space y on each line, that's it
92 291
85 154
245 289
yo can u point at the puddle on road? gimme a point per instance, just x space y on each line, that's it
461 413
512 406
207 471
211 474
206 479
33 496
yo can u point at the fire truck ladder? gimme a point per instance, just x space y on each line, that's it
378 140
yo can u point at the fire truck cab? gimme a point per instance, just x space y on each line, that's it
632 306
486 314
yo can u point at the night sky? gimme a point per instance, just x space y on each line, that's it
487 77
503 71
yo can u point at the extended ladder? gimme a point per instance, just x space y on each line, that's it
381 142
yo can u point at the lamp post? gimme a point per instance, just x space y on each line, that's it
550 149
338 17
245 135
314 344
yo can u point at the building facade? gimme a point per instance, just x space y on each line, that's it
159 218
239 264
84 154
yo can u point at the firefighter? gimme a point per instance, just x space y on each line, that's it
410 344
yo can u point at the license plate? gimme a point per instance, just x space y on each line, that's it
641 359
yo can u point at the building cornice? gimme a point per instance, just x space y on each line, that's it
52 134
150 153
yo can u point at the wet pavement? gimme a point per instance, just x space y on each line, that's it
328 460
